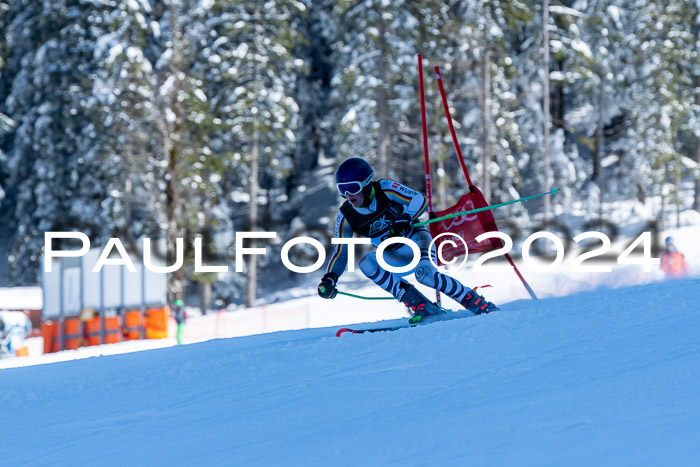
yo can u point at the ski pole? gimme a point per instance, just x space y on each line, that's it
487 208
365 298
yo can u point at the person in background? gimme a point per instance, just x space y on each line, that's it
673 262
180 316
14 329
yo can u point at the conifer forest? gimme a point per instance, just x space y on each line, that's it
201 118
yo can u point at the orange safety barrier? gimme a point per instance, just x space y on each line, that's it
49 331
157 323
112 330
132 325
93 329
73 336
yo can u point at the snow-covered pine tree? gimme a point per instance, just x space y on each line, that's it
375 85
629 94
169 160
696 131
597 72
665 112
6 123
125 90
55 184
482 79
312 91
253 45
569 169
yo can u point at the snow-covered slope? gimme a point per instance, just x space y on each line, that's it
607 376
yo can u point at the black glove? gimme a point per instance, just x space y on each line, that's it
326 289
401 225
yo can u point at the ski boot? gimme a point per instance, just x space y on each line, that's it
417 303
477 304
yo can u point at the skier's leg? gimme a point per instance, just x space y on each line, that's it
428 275
180 334
388 281
393 282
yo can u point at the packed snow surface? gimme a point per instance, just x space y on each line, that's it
609 376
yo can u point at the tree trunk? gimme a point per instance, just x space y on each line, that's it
600 144
662 222
485 123
177 280
172 214
252 276
557 92
545 110
204 296
383 105
696 200
679 202
642 193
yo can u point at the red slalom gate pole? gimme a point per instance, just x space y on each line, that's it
428 185
452 128
522 279
466 172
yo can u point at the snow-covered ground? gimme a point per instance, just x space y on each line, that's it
599 372
603 377
604 369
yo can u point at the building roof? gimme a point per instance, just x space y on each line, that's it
21 298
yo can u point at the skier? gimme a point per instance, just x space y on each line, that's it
673 262
180 316
380 210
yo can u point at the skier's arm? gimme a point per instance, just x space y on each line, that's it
414 202
338 262
339 258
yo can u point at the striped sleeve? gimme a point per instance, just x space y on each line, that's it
415 203
339 259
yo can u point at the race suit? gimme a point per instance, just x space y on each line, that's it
390 200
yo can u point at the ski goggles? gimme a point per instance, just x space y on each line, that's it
351 188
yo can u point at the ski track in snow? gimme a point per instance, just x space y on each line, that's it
604 377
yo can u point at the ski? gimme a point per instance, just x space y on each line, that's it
448 315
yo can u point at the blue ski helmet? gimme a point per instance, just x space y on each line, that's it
353 175
669 241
